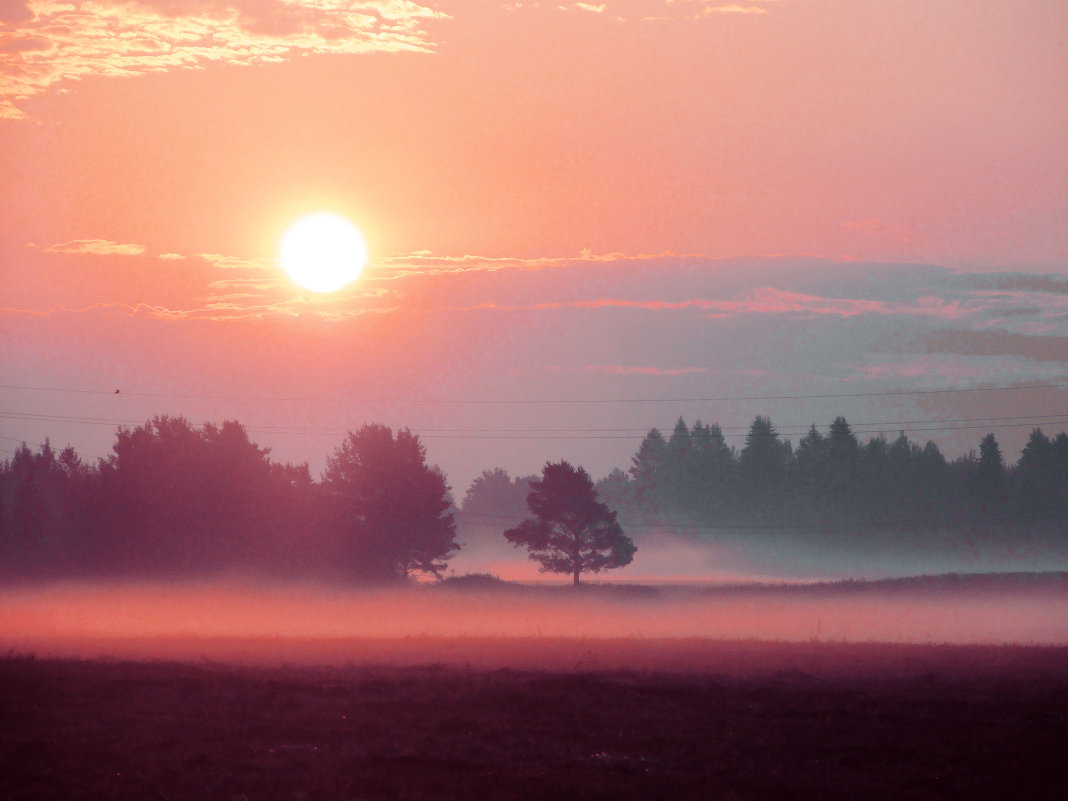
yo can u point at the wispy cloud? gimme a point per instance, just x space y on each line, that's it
219 261
63 42
426 263
1027 306
653 10
701 9
233 307
999 343
731 8
96 247
629 369
1015 282
935 370
764 300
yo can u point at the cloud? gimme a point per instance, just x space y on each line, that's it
223 262
654 10
685 289
764 300
13 12
936 370
703 9
62 42
731 8
1016 282
110 308
999 343
96 247
426 263
626 369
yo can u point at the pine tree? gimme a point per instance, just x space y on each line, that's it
646 470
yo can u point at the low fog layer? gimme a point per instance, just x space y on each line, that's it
308 622
774 556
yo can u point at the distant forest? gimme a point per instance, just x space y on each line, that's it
176 500
693 481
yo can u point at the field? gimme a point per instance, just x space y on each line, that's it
727 720
951 687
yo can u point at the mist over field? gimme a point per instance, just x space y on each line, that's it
515 624
670 554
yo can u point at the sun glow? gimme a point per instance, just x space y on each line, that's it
322 252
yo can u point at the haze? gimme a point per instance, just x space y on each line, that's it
532 626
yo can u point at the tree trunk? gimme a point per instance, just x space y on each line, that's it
578 571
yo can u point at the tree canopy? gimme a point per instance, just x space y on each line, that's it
391 507
175 500
571 532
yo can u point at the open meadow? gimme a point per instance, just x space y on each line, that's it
357 714
765 720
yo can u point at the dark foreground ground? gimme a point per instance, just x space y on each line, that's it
756 721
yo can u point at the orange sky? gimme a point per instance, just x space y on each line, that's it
581 201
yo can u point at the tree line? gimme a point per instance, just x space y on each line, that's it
176 500
830 480
173 500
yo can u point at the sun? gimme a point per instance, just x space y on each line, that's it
322 252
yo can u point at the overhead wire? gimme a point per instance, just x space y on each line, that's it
793 429
536 401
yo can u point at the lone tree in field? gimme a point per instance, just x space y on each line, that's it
572 532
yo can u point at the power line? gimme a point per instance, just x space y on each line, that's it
1038 418
793 429
535 401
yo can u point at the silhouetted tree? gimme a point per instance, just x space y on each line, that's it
711 471
572 532
30 521
495 494
989 475
763 462
930 498
44 497
1059 469
1035 481
874 476
392 508
616 491
812 468
811 451
646 470
677 487
843 460
179 500
493 502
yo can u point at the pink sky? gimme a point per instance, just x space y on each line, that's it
563 202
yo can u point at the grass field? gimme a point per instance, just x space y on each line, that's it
714 720
951 687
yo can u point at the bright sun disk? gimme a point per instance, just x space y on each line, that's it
322 252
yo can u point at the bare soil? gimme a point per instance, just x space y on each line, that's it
745 721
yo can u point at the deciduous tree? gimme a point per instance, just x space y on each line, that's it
393 508
572 532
